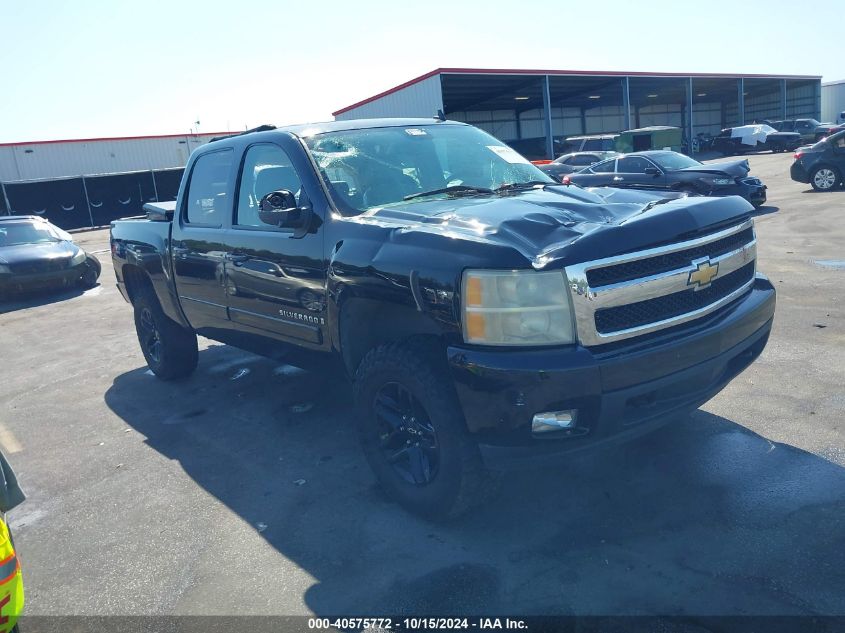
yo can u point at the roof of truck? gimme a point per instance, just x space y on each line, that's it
311 129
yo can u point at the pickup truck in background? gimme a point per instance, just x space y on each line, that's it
486 314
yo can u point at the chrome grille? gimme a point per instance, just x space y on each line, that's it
637 293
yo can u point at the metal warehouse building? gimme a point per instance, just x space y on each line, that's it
89 182
833 101
82 157
521 105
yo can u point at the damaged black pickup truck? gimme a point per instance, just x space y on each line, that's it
486 314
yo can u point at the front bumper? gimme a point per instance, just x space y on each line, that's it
619 394
16 282
755 194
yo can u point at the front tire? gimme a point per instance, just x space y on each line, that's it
825 178
413 432
169 349
89 277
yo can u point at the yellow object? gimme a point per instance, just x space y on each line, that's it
11 582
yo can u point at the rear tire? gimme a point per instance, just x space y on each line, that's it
825 178
169 349
413 433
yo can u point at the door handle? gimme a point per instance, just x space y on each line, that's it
617 179
181 253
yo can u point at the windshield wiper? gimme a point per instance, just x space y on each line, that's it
454 189
518 186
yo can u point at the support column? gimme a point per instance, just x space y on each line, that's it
689 116
547 112
626 102
155 189
817 93
88 202
6 198
516 115
740 100
783 98
583 120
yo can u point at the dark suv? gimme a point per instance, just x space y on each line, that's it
805 127
822 165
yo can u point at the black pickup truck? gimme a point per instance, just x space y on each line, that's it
486 314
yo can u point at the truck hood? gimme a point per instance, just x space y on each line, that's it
21 253
560 225
732 168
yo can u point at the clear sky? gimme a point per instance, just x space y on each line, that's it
120 68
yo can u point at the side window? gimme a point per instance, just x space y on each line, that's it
208 199
267 168
592 144
632 165
604 168
583 160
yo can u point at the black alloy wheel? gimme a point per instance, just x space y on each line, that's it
149 335
407 438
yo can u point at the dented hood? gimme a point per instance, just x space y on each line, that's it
732 168
562 225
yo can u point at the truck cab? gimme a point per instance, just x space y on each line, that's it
486 315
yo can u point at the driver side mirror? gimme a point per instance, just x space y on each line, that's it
652 171
279 208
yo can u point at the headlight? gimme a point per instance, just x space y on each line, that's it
516 307
79 258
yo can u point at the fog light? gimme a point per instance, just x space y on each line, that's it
553 421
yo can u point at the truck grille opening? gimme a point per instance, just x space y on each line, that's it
668 306
670 261
638 293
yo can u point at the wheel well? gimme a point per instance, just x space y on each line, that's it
136 279
365 324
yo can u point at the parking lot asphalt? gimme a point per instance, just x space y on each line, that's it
243 491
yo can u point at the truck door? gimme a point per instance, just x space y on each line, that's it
198 246
275 277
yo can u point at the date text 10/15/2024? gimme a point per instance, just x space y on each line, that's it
416 624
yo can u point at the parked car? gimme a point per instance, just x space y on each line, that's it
807 128
822 165
826 129
35 254
590 143
569 163
673 171
755 138
485 313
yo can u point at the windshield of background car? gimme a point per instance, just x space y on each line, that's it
381 166
674 160
16 233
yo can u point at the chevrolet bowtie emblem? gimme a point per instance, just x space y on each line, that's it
703 274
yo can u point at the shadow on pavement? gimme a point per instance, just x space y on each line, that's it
34 299
766 209
702 517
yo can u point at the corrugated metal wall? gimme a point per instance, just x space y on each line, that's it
422 99
833 101
33 161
